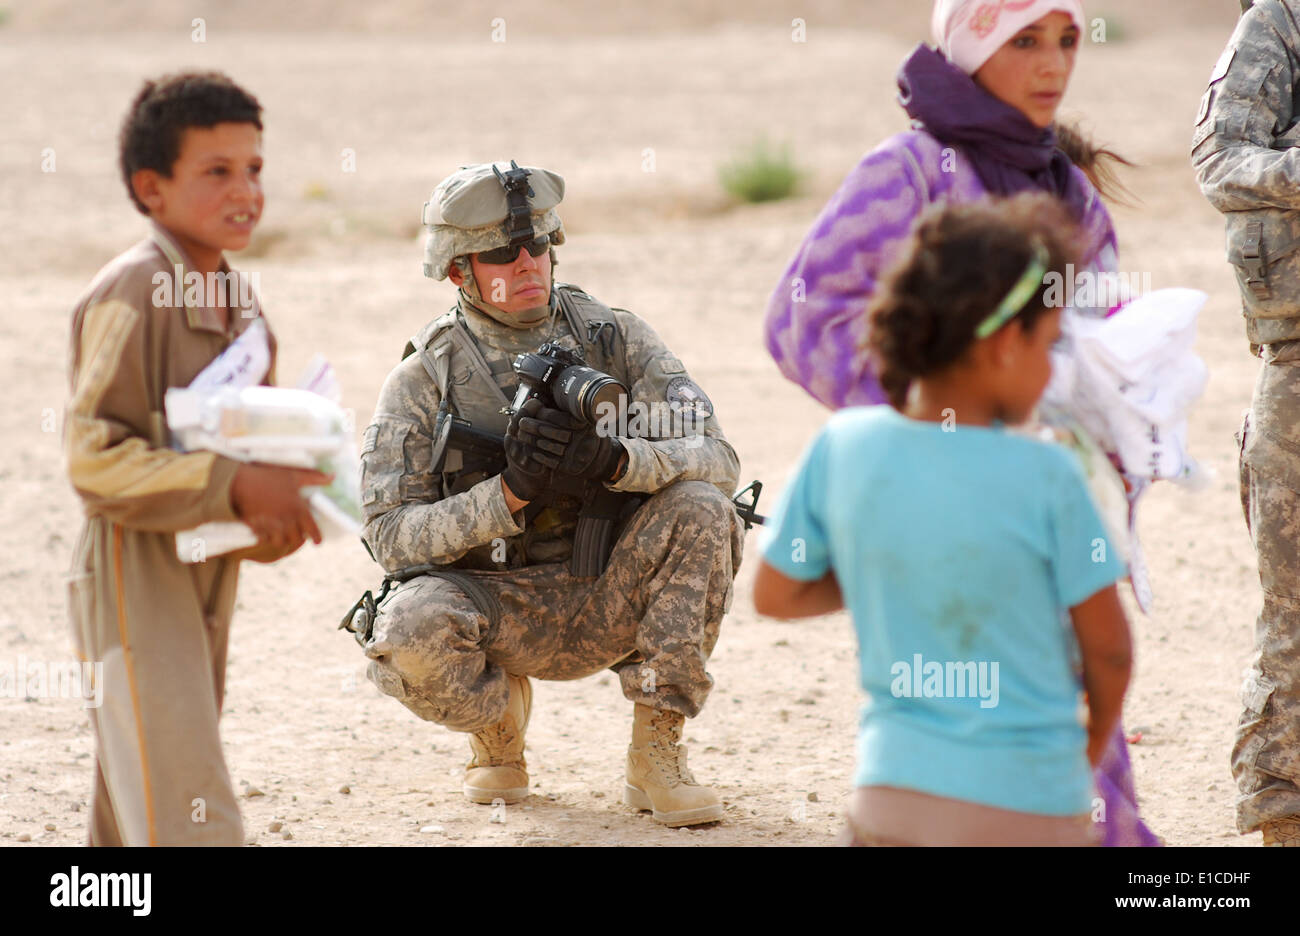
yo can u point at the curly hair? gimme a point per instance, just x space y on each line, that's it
960 263
150 137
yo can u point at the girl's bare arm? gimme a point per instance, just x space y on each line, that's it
780 596
1107 650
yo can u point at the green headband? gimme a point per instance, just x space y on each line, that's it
1020 293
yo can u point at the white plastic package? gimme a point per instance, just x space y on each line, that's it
224 410
1130 380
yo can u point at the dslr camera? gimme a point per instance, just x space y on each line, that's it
562 379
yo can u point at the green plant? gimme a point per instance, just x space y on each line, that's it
761 173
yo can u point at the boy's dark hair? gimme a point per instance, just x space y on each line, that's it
960 263
158 117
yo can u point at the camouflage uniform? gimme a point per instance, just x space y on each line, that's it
506 602
1247 163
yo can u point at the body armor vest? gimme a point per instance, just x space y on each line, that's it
476 386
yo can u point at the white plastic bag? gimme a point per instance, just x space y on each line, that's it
224 410
1130 380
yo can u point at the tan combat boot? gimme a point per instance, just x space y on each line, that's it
1282 833
497 770
657 778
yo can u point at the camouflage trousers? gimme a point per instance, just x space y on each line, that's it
1266 752
653 616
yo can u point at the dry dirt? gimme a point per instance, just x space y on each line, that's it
592 94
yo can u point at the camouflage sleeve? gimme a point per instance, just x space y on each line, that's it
671 432
408 522
1241 162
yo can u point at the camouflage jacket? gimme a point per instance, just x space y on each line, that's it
1247 164
411 516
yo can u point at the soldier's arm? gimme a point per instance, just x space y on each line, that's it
1240 163
111 462
669 450
408 521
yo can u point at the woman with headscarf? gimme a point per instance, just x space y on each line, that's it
983 107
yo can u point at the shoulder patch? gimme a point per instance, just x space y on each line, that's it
689 397
1202 132
1223 64
673 365
1205 106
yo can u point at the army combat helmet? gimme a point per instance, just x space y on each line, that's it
486 206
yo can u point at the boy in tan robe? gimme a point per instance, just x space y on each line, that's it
190 153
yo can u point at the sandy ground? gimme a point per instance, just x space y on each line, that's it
339 266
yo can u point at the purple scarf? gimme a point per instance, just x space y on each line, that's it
1009 153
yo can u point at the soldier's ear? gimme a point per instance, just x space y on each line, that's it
455 275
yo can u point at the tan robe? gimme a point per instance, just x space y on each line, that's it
158 626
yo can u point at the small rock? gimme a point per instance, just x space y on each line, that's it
805 700
813 798
253 791
784 715
345 789
275 826
539 841
51 827
599 794
24 836
287 835
433 829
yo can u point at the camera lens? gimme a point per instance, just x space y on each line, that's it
583 392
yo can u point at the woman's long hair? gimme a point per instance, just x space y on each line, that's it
1098 163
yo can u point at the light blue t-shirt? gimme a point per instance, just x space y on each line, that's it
958 554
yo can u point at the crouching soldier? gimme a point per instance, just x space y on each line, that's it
582 544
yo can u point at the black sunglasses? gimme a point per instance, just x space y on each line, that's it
535 247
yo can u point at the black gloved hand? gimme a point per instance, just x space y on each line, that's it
527 476
589 456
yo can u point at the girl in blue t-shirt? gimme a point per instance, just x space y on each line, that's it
975 566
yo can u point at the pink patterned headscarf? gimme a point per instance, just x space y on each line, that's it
968 32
